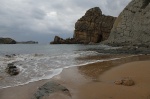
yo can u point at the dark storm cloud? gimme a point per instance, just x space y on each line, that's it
42 19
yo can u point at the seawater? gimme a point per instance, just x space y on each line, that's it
37 61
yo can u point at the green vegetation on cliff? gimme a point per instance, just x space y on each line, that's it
7 41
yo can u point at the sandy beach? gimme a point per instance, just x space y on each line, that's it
94 81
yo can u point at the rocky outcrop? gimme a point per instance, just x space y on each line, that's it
132 27
59 40
7 41
93 26
12 69
27 42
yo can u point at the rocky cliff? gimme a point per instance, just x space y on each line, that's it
7 41
132 27
93 26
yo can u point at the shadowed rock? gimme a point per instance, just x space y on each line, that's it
10 56
12 70
50 88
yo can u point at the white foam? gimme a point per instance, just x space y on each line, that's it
54 73
45 66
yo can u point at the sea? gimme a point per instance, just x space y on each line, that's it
42 61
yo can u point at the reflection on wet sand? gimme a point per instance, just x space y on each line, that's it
94 70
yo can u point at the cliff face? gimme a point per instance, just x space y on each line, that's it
93 26
132 27
7 41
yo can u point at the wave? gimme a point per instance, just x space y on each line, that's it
35 67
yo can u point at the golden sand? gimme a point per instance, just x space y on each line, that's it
95 81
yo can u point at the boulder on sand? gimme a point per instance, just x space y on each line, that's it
50 88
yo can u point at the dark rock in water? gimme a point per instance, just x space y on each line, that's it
59 40
49 88
10 56
12 69
7 41
125 81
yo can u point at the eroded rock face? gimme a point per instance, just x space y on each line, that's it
132 27
7 41
93 26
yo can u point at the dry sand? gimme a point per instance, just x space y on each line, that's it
95 81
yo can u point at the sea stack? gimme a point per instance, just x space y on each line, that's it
93 26
132 27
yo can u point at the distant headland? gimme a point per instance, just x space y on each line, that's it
12 41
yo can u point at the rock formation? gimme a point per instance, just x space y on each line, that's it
7 41
27 42
51 88
12 69
59 40
93 26
132 27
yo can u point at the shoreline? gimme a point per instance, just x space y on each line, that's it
99 59
80 76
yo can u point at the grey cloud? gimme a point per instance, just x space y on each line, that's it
33 19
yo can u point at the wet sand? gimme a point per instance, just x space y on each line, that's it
95 81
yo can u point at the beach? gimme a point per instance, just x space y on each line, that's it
94 81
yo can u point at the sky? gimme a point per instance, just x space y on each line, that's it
41 20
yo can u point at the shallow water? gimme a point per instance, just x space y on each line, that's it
37 62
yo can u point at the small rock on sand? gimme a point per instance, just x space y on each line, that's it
125 81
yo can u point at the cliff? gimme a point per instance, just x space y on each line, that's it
132 27
93 26
7 41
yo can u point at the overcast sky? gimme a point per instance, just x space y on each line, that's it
41 20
